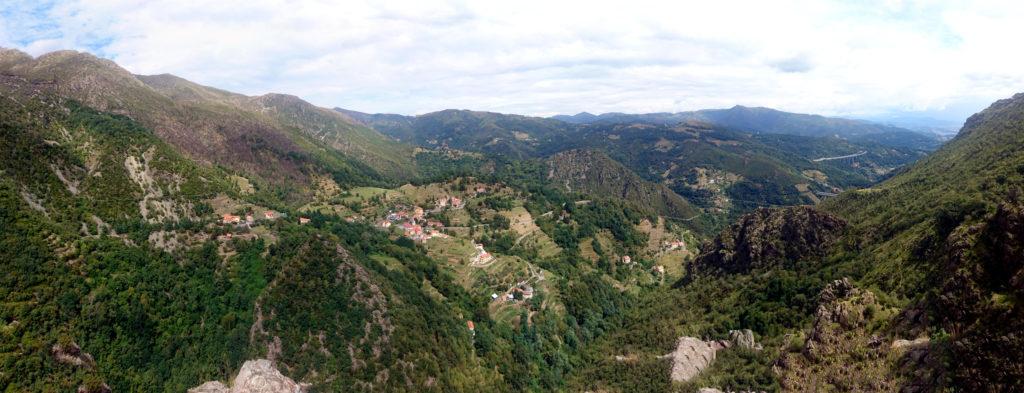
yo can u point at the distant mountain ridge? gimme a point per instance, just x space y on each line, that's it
772 121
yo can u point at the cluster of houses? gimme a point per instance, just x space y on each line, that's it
413 224
250 220
422 233
449 201
674 245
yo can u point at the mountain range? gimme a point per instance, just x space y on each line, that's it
161 235
771 121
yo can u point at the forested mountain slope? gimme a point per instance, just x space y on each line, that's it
595 173
116 273
725 172
127 265
911 285
513 136
271 141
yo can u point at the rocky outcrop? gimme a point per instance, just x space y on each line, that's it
744 339
693 355
71 354
982 277
255 376
839 352
709 390
769 238
98 387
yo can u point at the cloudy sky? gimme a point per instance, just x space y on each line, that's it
850 58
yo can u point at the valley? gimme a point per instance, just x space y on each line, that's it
161 235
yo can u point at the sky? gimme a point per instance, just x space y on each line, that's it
933 59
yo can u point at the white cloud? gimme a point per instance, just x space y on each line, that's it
536 57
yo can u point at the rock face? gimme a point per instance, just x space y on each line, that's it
768 238
840 353
256 376
693 355
984 273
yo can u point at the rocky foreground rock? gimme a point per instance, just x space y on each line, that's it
255 376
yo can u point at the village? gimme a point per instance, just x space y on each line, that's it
456 223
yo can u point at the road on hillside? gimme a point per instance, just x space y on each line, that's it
840 157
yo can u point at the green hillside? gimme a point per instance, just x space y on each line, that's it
722 171
119 271
272 141
912 284
595 173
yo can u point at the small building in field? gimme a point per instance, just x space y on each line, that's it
471 327
303 220
231 219
627 260
527 292
675 245
270 215
249 219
